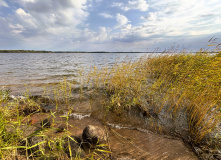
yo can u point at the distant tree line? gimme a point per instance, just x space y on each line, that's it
23 51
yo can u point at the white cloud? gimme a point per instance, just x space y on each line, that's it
138 4
16 28
88 35
26 20
152 16
3 3
28 1
63 23
172 21
106 15
21 12
122 20
43 24
50 17
103 34
134 4
182 18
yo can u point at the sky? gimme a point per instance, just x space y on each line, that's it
109 25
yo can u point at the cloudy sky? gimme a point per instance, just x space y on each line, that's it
108 25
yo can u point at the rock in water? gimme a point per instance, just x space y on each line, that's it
94 135
46 123
72 146
61 128
35 144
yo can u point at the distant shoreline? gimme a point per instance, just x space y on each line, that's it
43 51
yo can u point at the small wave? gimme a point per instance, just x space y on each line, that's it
17 97
119 126
78 116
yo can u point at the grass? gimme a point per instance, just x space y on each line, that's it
9 127
21 137
189 82
184 82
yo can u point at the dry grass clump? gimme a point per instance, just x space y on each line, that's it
124 83
189 82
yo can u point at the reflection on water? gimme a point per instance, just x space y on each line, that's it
37 69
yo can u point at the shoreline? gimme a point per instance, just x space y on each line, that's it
45 51
82 115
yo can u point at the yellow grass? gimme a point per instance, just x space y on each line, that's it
189 82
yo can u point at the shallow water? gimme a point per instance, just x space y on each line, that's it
124 141
38 69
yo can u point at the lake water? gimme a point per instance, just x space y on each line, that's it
38 69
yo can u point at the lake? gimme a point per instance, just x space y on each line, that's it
35 70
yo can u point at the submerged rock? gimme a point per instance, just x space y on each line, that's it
46 123
94 135
27 110
35 145
61 128
72 147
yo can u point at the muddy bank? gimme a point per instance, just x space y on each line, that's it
126 142
131 135
135 133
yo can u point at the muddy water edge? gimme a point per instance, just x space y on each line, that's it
132 134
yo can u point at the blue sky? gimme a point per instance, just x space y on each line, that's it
104 25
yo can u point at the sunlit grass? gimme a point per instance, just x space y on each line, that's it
189 82
16 122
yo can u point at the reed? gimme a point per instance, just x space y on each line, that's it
189 82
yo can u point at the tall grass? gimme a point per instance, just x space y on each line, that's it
189 82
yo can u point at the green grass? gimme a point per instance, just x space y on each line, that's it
17 127
10 130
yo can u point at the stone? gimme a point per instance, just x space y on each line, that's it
46 123
73 144
32 121
31 141
60 128
27 110
150 113
94 135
